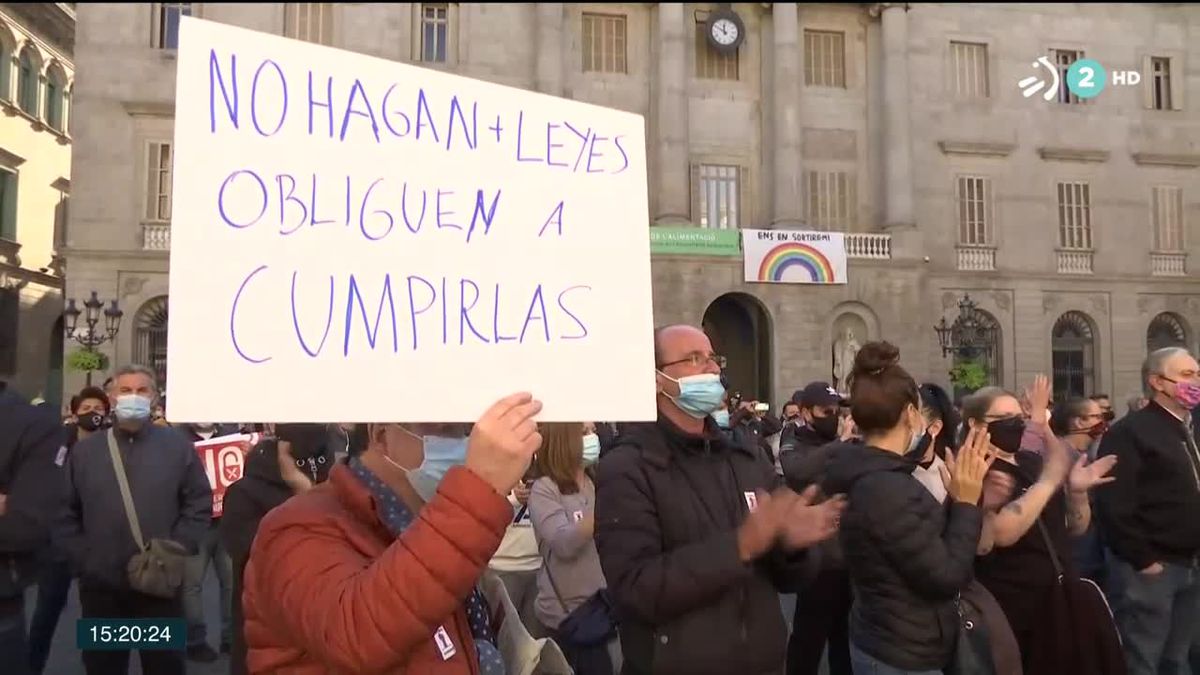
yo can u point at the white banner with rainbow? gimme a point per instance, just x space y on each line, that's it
794 257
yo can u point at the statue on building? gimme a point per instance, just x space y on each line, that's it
845 348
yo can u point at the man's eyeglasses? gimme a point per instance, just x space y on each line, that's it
698 361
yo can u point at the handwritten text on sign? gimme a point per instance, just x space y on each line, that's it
224 461
421 242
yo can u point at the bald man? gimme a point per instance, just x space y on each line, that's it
694 546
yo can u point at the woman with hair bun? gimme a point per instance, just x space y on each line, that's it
907 555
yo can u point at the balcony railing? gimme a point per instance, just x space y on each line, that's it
1168 264
868 245
1075 262
156 237
976 259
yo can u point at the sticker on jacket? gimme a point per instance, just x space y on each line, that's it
577 516
444 644
61 457
751 501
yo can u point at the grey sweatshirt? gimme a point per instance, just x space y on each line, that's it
569 551
171 494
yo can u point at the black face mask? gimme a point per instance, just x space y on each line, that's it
826 427
1109 415
1006 434
918 451
315 467
91 421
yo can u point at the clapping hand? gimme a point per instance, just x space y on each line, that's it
1086 475
805 523
1038 394
964 475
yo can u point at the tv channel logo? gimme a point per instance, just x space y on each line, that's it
1085 78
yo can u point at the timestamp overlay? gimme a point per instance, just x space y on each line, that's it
127 634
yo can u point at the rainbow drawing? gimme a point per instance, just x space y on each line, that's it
783 257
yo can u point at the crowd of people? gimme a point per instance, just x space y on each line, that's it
1002 534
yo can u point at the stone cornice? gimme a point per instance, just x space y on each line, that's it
977 148
10 160
1073 154
149 108
1162 159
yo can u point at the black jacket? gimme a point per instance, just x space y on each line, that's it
907 555
30 438
1149 513
170 491
260 489
804 455
668 505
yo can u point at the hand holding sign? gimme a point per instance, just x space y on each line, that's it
503 441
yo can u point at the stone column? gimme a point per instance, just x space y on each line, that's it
897 131
785 83
548 75
671 118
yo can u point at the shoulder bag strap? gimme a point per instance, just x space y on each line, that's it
126 495
550 576
1058 569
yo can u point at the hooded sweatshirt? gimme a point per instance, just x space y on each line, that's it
907 555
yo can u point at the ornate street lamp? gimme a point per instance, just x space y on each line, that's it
90 337
968 336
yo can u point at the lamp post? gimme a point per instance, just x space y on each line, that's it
92 310
967 337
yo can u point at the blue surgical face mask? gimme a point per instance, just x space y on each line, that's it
441 454
699 395
722 418
591 448
132 408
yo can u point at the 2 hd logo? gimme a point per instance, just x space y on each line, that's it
1085 78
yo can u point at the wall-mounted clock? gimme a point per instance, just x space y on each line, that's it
726 32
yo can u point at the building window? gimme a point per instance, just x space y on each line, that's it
719 192
10 317
6 53
61 217
158 182
824 58
27 83
166 23
55 99
969 69
829 197
1063 58
1166 214
992 361
1073 346
309 21
8 205
974 195
710 63
604 43
150 337
1075 216
1166 330
1160 83
435 31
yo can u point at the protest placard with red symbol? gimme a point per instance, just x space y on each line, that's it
223 460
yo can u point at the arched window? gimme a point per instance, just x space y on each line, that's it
993 360
56 91
150 337
6 64
1073 354
1166 330
28 76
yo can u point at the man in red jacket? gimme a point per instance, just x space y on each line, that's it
367 573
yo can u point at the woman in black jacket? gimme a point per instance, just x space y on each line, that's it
277 468
908 557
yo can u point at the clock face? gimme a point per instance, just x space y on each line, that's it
724 32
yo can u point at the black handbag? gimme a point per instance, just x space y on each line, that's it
591 624
973 648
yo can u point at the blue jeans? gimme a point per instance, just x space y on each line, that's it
211 550
53 587
1158 616
869 665
14 647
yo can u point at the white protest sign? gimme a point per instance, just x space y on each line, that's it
360 240
794 257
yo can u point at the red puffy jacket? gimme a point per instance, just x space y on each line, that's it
329 590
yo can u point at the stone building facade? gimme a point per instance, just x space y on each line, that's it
36 78
1070 222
